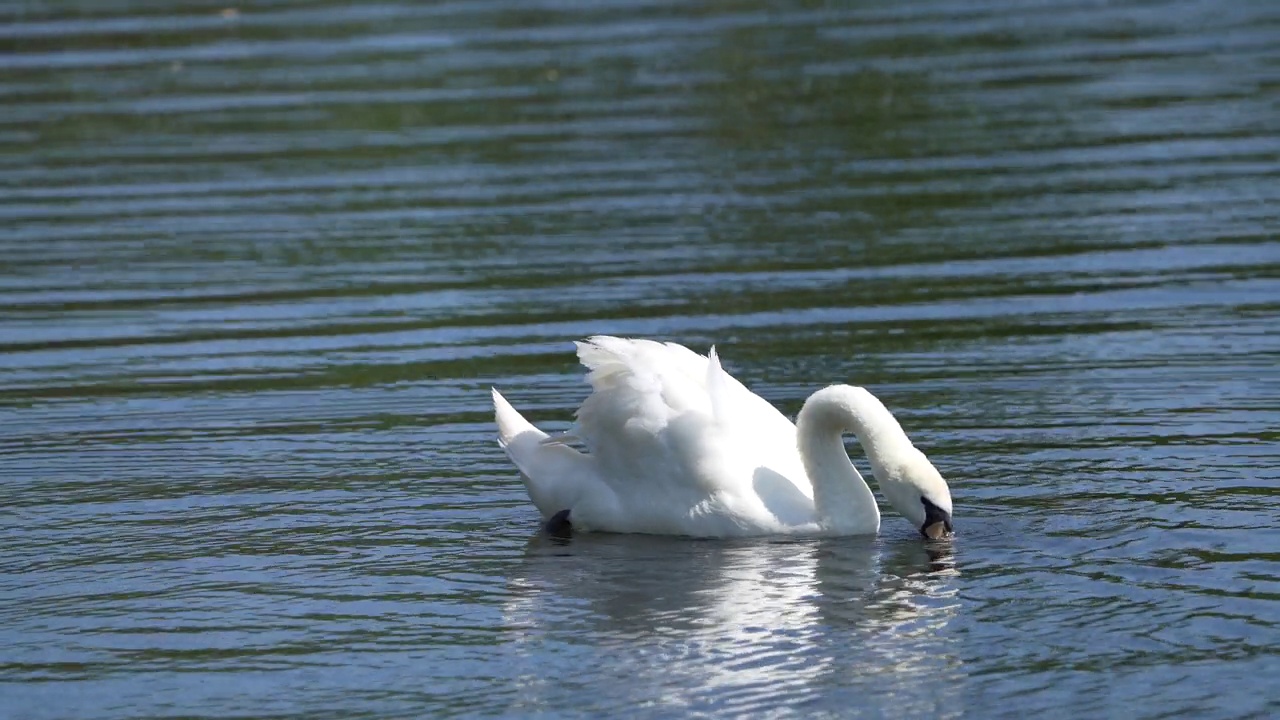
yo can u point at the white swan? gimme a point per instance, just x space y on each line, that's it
676 446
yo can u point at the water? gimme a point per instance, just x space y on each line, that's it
261 265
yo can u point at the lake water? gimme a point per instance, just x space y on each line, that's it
261 265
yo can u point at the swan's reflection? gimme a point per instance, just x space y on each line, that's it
736 625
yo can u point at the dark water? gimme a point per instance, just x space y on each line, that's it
262 264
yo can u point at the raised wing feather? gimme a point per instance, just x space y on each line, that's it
665 421
755 425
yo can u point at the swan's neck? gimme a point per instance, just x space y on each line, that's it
843 500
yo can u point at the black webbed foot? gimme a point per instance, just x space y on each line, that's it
558 525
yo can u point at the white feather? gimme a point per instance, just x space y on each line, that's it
677 446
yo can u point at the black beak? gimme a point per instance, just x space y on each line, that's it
937 522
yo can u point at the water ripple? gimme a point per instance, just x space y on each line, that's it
263 263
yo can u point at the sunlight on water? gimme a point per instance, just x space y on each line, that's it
745 625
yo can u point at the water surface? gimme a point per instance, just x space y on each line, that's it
261 265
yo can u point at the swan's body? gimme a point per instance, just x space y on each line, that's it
677 446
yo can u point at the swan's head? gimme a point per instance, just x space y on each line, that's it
916 489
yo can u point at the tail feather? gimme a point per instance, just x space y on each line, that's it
554 473
511 424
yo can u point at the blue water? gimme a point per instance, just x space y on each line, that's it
259 266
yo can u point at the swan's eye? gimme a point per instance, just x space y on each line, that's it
937 522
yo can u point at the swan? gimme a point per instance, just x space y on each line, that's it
677 446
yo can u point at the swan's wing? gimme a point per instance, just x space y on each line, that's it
767 434
646 419
663 421
640 382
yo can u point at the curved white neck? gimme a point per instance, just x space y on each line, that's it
843 500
